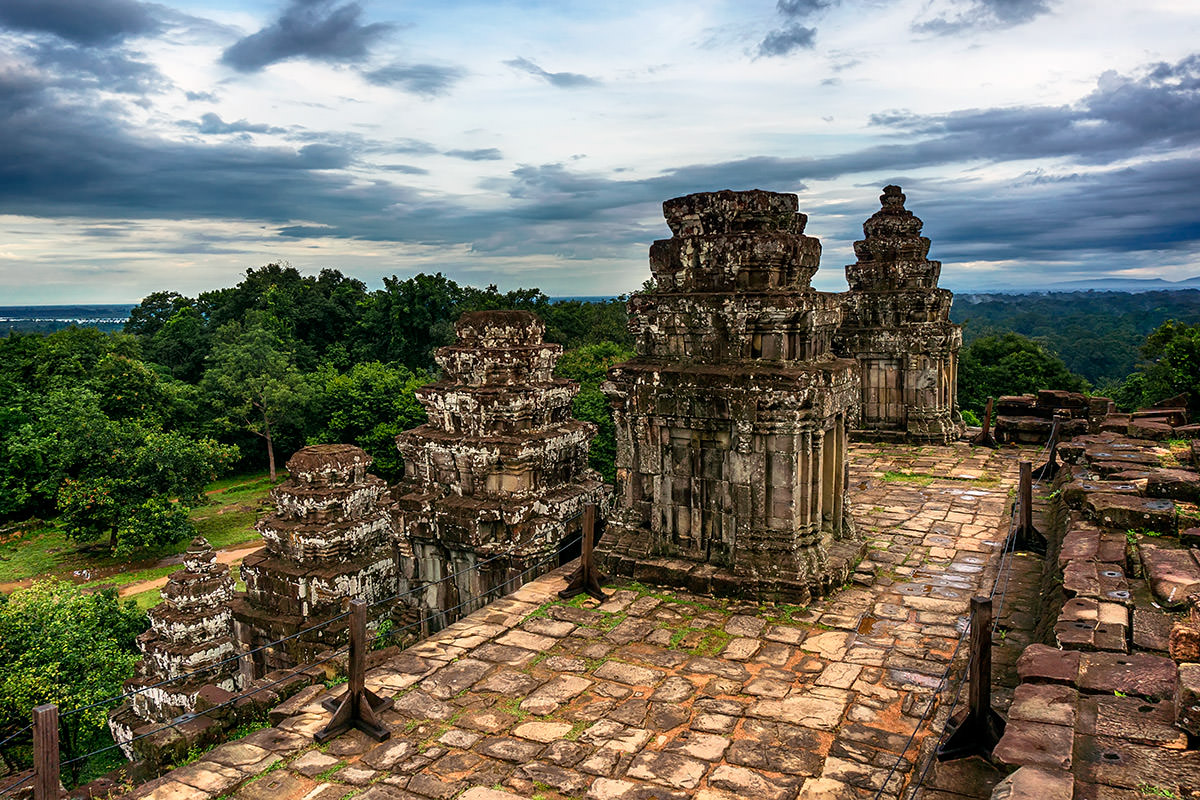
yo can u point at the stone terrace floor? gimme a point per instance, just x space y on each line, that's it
660 695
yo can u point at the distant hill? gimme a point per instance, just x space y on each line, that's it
1099 334
1131 285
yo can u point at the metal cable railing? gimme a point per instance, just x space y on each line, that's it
1003 571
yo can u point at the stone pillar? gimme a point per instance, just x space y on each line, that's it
896 322
500 469
730 408
328 541
192 629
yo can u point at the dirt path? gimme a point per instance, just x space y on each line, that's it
229 555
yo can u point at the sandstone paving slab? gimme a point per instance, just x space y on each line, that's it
663 697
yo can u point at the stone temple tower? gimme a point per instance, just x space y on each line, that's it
328 541
896 322
731 418
500 468
190 631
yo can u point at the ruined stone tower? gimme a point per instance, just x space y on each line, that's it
499 469
731 419
895 321
328 541
192 629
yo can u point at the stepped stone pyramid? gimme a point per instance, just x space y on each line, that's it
731 418
896 323
328 541
190 630
500 468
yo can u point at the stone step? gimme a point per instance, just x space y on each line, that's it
1088 624
1173 573
1105 582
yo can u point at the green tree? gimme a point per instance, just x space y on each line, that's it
60 645
1170 366
992 366
137 493
368 405
589 366
252 374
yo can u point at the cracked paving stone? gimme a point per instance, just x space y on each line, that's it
670 769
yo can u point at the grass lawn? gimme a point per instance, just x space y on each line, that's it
234 504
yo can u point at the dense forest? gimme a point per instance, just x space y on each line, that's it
114 433
1098 335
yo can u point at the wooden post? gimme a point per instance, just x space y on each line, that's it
586 579
976 730
46 780
1048 470
984 438
1028 538
358 707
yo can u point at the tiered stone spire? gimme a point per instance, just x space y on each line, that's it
500 467
896 324
327 542
731 435
192 629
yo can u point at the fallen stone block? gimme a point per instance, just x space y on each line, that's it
1075 493
1173 574
1187 699
1131 719
1038 744
1148 676
1127 512
1176 484
1042 663
1149 429
1036 783
1152 629
1053 704
1183 644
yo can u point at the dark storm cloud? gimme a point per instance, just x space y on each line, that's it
792 36
429 80
90 22
212 123
316 29
984 14
563 80
79 68
1122 180
800 9
483 154
787 39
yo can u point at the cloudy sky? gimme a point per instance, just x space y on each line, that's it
172 145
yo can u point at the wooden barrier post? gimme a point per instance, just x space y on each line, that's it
1028 538
358 707
586 579
46 766
978 729
1048 470
984 438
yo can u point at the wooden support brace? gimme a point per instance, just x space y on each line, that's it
586 579
47 784
977 729
984 438
1028 538
358 707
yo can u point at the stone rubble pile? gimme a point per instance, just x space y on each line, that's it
1111 702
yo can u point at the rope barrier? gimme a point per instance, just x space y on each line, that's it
13 787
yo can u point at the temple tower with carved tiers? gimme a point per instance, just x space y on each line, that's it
896 323
731 418
191 630
500 468
329 540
